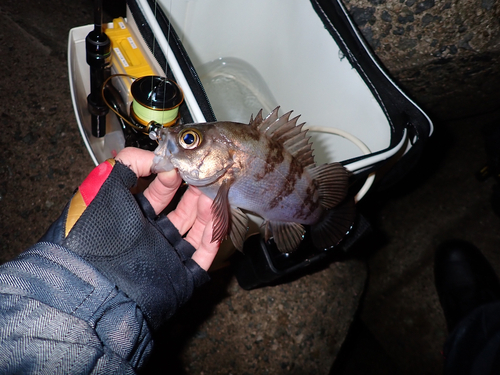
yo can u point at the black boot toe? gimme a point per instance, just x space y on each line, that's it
464 280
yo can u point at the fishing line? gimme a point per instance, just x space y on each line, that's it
166 52
360 144
190 99
155 12
168 39
154 47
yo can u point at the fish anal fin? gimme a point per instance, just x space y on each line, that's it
332 180
287 235
239 228
334 226
221 212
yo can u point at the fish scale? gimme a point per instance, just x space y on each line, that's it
255 190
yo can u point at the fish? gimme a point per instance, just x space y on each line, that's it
267 168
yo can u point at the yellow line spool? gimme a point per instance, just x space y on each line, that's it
155 99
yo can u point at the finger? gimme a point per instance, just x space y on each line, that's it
206 252
200 235
162 189
202 222
138 160
184 215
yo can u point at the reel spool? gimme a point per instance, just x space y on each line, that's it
155 104
155 99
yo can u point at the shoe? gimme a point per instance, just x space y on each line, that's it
464 280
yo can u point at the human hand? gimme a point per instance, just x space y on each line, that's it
193 213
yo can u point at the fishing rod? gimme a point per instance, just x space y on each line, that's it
98 54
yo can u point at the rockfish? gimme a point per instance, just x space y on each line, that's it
265 167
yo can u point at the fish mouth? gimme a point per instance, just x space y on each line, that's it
162 161
161 164
191 177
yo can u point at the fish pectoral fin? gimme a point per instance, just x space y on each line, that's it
287 235
333 182
239 228
221 212
335 225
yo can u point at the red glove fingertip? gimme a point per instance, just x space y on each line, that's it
92 184
86 193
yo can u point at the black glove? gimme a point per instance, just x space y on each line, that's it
142 253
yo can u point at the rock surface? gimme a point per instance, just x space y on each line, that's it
445 54
293 328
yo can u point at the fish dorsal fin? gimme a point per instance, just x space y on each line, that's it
258 120
273 122
286 131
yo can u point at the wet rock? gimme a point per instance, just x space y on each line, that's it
464 42
487 4
398 30
30 138
362 15
407 44
427 19
424 5
386 16
412 35
406 18
295 328
368 34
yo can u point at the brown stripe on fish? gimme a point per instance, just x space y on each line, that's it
252 133
274 157
276 152
310 203
295 171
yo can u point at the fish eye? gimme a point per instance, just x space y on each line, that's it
189 139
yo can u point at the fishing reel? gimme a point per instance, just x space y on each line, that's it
154 104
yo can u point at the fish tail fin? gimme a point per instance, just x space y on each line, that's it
334 226
332 181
